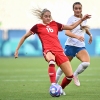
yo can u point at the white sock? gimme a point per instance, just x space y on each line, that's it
53 83
81 68
58 74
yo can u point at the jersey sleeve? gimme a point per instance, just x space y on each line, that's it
69 22
34 29
84 23
60 26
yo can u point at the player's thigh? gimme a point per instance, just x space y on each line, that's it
66 68
70 52
49 56
70 58
83 56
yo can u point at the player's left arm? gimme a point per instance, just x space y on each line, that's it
88 32
70 27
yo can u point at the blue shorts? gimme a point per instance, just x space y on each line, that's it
72 50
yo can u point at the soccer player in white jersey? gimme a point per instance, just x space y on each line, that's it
75 45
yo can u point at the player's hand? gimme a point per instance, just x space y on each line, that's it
86 17
90 39
16 54
80 38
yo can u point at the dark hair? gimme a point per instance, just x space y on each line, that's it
76 4
82 27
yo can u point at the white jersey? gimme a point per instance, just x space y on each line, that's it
73 41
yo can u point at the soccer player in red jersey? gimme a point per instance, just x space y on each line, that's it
47 32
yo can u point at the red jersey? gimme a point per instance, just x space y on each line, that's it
48 34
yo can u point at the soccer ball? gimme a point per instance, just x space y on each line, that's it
55 90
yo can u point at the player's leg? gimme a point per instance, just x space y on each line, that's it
67 69
51 69
69 53
63 62
59 71
83 56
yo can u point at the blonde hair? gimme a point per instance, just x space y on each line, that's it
39 12
84 27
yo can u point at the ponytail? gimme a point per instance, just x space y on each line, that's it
83 27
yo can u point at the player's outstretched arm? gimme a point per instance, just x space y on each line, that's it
66 27
21 42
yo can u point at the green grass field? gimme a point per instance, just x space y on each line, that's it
27 79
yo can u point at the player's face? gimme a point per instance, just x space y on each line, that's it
46 17
77 10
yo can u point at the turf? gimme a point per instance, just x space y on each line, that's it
27 79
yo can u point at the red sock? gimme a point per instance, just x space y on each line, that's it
66 81
52 73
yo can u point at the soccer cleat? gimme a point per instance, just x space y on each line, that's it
76 81
63 93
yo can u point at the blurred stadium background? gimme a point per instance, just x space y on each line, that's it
16 18
26 78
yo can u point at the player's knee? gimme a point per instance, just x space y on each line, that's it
85 64
51 62
69 77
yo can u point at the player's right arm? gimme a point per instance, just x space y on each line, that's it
21 42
